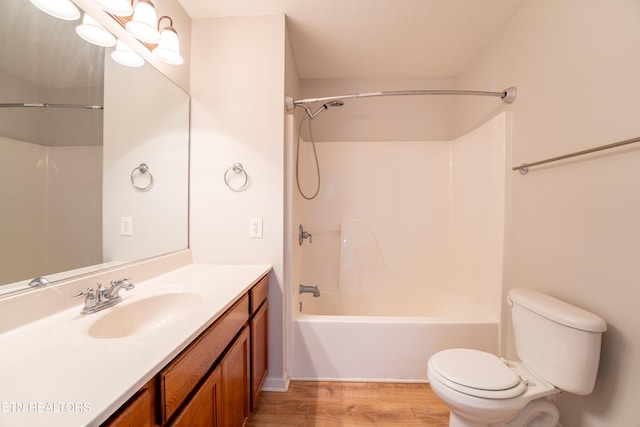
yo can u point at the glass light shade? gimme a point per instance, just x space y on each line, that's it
143 23
168 49
124 55
62 9
116 7
91 31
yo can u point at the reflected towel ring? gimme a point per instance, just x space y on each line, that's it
237 169
142 169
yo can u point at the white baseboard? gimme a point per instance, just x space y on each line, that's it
277 384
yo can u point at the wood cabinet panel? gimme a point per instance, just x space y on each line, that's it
205 407
235 382
179 378
259 325
137 412
259 293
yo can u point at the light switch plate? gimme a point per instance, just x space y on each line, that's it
126 226
255 228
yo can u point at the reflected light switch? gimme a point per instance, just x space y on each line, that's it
126 226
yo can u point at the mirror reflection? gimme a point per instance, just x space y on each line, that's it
75 127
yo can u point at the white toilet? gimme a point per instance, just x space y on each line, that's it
559 348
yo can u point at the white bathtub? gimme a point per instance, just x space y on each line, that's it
356 338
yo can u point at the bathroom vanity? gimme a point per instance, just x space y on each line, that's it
186 348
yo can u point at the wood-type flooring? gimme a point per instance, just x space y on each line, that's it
328 404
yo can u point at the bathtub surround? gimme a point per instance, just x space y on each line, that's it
397 281
35 216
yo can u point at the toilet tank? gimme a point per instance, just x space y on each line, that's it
556 340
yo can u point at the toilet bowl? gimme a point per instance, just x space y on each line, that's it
559 348
483 390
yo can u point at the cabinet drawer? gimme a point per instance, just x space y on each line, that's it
259 293
180 377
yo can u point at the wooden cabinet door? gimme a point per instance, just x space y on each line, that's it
204 409
235 382
259 353
137 412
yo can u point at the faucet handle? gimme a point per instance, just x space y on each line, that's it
89 293
90 300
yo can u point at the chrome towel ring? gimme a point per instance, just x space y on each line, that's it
143 169
237 169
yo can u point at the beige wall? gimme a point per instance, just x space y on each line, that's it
574 227
237 89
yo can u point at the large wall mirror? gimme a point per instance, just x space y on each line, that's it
93 155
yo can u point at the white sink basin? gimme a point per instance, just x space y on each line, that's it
144 315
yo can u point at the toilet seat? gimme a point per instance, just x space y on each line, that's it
476 373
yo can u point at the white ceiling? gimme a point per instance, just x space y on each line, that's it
376 38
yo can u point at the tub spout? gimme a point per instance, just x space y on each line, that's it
310 289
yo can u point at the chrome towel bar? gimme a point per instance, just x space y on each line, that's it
524 168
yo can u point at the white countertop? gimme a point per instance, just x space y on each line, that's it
53 373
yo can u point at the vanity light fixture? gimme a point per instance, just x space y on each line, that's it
91 31
168 49
117 7
62 9
143 22
124 55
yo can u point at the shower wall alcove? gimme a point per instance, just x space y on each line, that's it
407 252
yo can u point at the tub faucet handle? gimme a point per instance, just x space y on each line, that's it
303 235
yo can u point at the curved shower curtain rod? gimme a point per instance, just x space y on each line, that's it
508 95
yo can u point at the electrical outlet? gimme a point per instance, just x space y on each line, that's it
126 226
255 228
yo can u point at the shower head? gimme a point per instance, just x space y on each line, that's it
323 107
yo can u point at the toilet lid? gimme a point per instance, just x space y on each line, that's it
477 373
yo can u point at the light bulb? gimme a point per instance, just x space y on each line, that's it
168 49
116 7
124 55
91 31
62 9
143 23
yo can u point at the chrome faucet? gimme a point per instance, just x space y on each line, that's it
38 281
116 285
309 289
101 297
